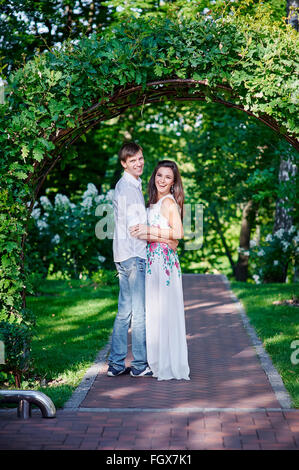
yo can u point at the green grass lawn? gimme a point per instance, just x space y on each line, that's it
74 321
277 326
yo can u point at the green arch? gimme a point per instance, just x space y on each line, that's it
60 94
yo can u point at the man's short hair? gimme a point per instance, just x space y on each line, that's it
128 149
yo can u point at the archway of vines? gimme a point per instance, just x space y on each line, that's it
61 94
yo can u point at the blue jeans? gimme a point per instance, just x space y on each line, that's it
131 307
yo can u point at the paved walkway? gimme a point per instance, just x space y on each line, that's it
229 403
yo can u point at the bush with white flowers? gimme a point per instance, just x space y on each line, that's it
61 236
271 260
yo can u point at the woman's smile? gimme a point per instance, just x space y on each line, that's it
164 180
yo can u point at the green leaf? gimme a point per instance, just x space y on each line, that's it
181 73
158 69
21 175
196 76
9 300
25 152
38 154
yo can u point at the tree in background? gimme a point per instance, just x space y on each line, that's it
288 168
31 26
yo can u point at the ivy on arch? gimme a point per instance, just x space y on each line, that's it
60 94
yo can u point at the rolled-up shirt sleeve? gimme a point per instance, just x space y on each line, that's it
136 214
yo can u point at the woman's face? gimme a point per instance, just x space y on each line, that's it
164 179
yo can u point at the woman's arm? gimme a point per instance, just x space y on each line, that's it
174 232
173 244
170 211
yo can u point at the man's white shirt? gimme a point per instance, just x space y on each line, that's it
129 209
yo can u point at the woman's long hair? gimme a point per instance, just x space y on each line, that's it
178 191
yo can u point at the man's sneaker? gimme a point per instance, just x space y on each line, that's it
112 372
141 373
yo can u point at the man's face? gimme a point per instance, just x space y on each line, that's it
134 164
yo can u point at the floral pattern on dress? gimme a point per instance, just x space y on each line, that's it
157 252
169 257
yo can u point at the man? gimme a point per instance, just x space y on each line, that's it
129 255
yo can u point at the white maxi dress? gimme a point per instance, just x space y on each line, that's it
166 343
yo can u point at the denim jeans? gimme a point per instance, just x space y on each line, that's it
131 307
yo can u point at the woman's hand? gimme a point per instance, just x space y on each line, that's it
139 230
173 244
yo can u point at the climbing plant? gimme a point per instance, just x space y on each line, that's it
56 97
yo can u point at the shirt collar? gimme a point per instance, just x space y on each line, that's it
133 180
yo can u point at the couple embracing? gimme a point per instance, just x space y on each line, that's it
150 279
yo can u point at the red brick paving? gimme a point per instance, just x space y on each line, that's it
150 431
224 368
225 372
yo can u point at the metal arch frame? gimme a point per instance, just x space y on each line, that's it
153 92
108 107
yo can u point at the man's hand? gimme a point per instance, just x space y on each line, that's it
139 230
173 244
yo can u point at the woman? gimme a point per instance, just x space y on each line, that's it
167 352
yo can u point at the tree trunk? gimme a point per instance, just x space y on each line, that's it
292 14
248 217
69 20
90 17
257 237
283 219
18 377
220 232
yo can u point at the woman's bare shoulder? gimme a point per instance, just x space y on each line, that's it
168 206
168 202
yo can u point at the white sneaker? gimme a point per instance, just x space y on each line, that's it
141 373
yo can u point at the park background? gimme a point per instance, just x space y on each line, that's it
242 173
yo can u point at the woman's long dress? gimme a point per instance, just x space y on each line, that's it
167 352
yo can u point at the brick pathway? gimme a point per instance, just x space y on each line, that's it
224 368
208 412
163 430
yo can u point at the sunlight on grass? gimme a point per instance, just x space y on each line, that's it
74 321
276 325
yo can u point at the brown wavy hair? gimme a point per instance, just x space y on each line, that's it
128 149
178 191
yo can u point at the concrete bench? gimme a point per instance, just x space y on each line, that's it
25 399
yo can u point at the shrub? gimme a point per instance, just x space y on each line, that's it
272 258
105 278
62 236
17 337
